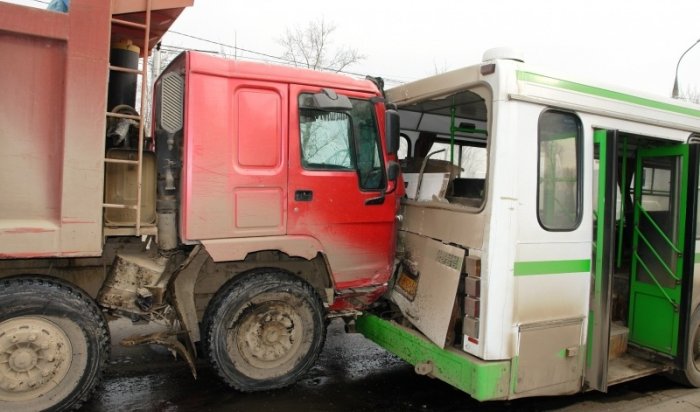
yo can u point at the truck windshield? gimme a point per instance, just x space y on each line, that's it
343 141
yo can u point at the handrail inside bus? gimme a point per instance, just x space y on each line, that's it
651 275
422 170
659 258
453 129
623 201
658 229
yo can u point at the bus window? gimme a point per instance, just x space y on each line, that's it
404 147
473 162
656 189
456 127
470 159
559 177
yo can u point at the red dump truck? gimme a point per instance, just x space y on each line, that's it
261 202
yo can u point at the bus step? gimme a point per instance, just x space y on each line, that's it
618 340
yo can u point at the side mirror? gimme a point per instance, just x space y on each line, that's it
393 129
392 174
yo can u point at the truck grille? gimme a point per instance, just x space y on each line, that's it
171 97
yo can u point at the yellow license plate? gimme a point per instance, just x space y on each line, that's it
408 285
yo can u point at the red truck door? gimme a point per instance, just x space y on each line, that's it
336 181
236 174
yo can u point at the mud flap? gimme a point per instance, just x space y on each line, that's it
426 285
167 339
182 291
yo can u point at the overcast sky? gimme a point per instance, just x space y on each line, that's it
635 44
632 43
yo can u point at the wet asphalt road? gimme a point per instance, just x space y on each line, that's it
352 374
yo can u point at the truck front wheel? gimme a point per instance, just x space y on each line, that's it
54 343
263 330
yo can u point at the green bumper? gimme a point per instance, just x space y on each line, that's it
483 380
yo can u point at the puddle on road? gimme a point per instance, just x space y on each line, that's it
351 374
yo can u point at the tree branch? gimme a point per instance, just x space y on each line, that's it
310 47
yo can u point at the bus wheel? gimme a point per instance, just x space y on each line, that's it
54 343
690 376
263 330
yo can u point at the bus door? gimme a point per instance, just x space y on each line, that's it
605 158
659 279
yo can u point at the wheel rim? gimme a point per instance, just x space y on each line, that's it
268 340
696 349
35 356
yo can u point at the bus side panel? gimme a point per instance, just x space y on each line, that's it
546 258
446 225
550 358
551 270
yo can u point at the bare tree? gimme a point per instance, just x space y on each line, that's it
311 47
439 69
690 94
473 162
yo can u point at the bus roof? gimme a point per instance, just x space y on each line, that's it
517 81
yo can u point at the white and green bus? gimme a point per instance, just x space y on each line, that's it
548 237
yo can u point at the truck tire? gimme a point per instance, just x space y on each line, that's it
54 343
690 376
263 330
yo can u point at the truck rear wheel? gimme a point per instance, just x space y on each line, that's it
54 343
264 330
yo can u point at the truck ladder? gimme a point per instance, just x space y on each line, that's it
137 229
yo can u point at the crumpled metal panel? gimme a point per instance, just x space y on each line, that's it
428 303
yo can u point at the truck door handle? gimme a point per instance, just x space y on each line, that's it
303 195
375 201
379 200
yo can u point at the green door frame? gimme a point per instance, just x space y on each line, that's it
686 310
603 259
655 300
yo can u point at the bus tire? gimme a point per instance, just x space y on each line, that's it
690 376
54 343
264 330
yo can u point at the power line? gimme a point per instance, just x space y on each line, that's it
229 46
270 56
241 49
177 49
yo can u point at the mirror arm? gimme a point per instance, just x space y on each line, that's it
393 189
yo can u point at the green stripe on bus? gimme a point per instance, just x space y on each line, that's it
608 94
551 267
697 258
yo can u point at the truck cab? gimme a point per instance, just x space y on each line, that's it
261 203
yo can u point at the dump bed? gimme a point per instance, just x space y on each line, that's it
52 122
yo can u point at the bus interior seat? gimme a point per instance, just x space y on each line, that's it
468 187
